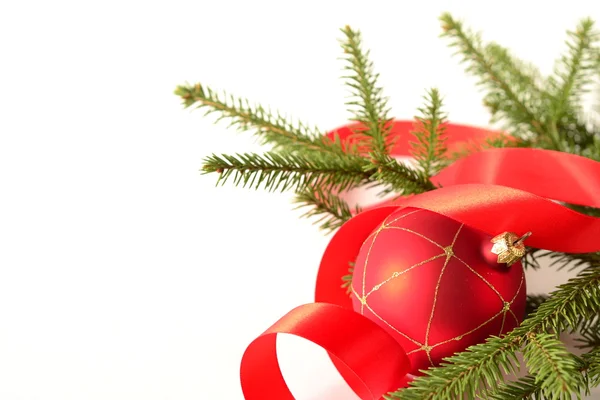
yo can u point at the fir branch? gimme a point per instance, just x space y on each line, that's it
592 150
284 171
574 71
367 103
543 115
560 260
347 279
591 211
465 374
271 128
524 388
533 302
474 146
430 148
573 260
369 107
590 334
398 177
332 211
567 307
512 86
591 364
573 74
554 368
531 259
530 388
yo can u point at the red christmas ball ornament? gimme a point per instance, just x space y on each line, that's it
430 282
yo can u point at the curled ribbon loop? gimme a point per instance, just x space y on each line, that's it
374 357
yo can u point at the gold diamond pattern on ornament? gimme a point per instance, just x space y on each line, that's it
448 253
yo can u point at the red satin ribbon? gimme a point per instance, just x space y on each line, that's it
374 357
550 174
400 137
495 209
493 191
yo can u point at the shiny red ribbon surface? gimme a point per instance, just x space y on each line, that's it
366 351
509 189
549 174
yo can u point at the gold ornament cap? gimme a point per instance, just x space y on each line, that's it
509 247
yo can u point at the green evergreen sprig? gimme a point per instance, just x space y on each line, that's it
554 368
397 177
284 171
575 70
589 334
367 104
513 92
369 107
524 388
591 366
542 112
271 127
572 261
591 211
330 209
530 388
532 258
475 146
476 371
572 77
347 279
430 149
534 301
461 375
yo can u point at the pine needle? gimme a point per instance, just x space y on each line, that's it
271 127
461 375
430 148
591 365
575 70
347 279
524 388
397 177
534 301
332 211
512 87
285 171
554 368
367 103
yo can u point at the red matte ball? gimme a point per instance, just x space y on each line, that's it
430 282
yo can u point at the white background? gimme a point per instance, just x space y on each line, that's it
124 274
